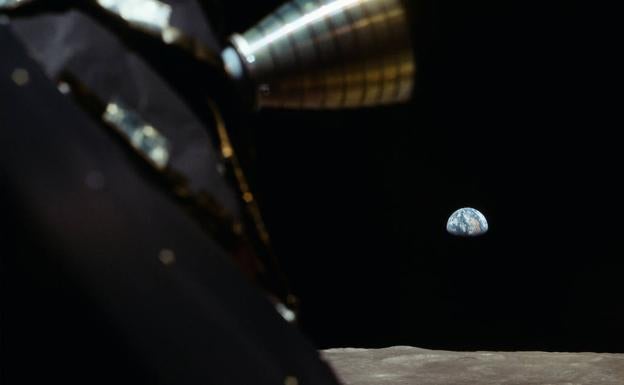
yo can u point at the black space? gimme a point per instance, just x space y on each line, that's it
511 116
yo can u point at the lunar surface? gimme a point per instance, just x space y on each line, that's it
404 365
467 222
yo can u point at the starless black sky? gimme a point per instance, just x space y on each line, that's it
510 116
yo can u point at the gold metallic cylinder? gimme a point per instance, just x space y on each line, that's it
327 54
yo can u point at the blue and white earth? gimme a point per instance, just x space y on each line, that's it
467 222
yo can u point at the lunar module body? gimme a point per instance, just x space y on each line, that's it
138 250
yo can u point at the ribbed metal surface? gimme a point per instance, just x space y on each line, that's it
326 54
10 4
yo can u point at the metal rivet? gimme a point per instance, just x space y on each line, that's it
167 257
264 89
64 88
248 197
227 152
20 76
237 228
95 180
170 35
285 312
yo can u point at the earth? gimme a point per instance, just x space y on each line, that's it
467 222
